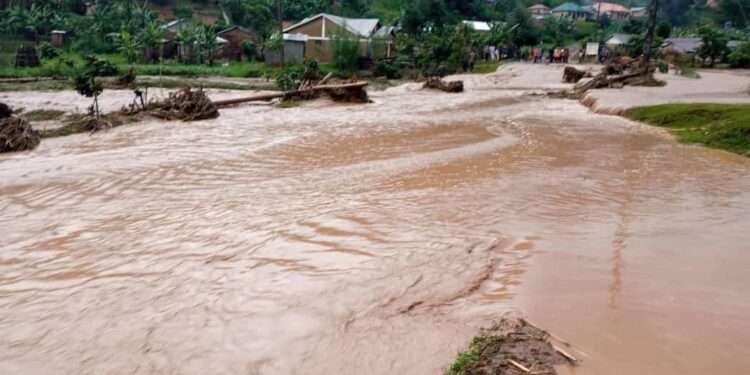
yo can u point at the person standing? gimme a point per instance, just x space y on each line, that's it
472 60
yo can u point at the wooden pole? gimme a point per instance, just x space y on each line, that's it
279 15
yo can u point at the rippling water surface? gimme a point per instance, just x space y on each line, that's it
373 239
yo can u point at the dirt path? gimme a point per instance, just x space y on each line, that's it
372 239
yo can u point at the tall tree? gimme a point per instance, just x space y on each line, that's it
648 46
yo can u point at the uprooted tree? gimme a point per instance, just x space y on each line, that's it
16 134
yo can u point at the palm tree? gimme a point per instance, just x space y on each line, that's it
150 38
207 42
187 36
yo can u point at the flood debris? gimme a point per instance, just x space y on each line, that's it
617 74
16 134
573 75
5 111
185 104
436 83
513 347
351 92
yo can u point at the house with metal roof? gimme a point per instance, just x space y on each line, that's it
479 26
320 28
615 12
571 11
618 40
539 11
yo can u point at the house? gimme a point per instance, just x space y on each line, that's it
617 40
615 12
682 45
639 12
320 28
479 26
234 36
173 27
294 50
571 11
59 37
539 11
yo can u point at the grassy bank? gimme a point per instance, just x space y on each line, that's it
722 126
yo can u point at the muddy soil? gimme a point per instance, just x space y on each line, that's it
372 239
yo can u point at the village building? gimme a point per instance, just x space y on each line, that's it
539 11
59 37
234 36
480 27
319 30
571 11
617 40
294 50
639 12
615 12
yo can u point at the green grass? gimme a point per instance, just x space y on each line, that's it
43 115
288 104
486 67
722 126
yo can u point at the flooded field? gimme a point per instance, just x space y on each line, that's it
375 239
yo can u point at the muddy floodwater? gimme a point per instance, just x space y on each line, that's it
374 239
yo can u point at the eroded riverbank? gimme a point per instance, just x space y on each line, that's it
373 239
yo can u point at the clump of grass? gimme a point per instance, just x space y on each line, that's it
486 67
722 126
288 104
79 123
43 115
463 361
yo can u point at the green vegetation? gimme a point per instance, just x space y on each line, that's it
486 67
723 126
43 115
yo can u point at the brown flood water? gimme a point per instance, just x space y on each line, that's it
373 239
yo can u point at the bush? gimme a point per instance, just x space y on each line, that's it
248 49
291 78
740 56
663 67
48 52
345 53
385 69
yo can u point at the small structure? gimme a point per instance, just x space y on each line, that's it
615 12
539 11
294 50
320 28
571 11
682 45
26 57
617 40
59 37
639 12
173 27
480 27
235 35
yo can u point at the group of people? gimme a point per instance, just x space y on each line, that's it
553 55
497 53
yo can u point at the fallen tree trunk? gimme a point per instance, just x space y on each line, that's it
354 87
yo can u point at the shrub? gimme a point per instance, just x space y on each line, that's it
345 51
48 52
248 49
663 67
385 69
740 56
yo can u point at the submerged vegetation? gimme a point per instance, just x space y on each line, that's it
722 126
